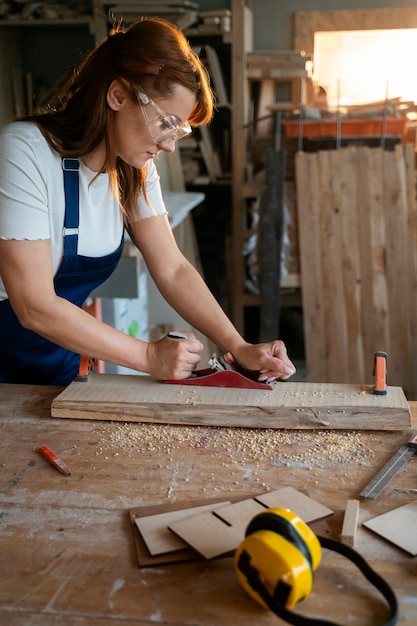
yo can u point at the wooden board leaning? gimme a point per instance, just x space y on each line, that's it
287 405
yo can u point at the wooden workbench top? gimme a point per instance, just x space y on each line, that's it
66 543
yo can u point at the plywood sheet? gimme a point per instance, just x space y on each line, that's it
287 405
398 526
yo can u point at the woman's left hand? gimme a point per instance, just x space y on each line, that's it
270 359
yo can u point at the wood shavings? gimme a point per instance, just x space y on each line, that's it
327 394
319 449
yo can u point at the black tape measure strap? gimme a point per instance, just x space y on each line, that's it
370 574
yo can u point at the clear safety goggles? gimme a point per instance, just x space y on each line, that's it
162 127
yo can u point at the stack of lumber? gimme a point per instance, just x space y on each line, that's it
391 107
281 64
357 218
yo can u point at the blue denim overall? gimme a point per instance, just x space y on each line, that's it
25 356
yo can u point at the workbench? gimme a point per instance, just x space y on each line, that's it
67 544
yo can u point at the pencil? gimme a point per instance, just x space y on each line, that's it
175 334
54 459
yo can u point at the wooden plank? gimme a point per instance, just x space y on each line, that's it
353 351
242 34
405 279
377 244
282 75
350 523
329 247
308 219
409 156
216 74
287 405
272 227
363 203
278 58
263 127
395 210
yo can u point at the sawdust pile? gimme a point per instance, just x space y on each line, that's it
255 446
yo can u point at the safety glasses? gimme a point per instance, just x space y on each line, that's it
162 127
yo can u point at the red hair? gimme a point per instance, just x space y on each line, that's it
152 54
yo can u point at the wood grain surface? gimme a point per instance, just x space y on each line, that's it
287 405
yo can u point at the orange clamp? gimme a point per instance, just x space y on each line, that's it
86 367
380 373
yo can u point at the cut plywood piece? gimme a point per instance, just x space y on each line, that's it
238 514
397 526
289 498
287 405
145 558
221 532
210 535
156 534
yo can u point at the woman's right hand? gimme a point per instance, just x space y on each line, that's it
174 358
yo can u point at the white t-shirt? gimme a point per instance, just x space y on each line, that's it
32 201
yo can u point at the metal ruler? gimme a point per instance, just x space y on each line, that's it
390 469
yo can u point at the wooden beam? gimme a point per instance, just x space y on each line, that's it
287 405
350 523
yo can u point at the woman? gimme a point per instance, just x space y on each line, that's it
70 181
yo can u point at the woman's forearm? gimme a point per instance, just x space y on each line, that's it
74 329
191 298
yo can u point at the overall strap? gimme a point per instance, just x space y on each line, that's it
72 205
